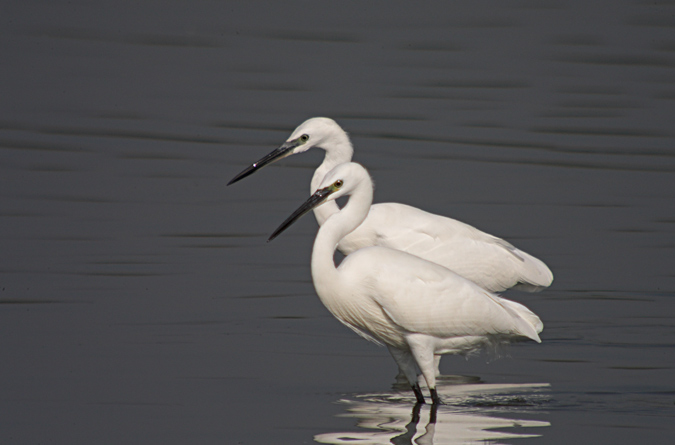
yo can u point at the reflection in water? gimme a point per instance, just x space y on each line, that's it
468 415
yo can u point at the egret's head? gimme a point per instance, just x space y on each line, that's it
315 132
319 132
340 181
343 180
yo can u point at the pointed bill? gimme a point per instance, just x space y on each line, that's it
318 198
285 150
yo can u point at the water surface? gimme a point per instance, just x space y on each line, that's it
140 302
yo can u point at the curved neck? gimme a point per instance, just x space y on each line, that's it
339 152
336 227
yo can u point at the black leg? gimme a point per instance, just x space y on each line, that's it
432 413
434 397
418 393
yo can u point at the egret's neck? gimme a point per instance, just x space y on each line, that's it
333 230
338 152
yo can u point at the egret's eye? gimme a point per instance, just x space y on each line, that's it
304 138
337 184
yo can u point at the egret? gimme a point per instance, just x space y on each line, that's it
417 308
490 262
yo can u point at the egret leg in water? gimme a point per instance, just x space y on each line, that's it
418 308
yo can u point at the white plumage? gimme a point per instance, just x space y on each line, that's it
490 262
418 308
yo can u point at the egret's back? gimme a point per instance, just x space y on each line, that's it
490 262
417 296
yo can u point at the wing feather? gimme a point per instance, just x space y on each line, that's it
423 297
491 262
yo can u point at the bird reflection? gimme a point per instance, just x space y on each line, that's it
411 428
472 413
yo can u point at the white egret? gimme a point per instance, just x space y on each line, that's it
490 262
417 308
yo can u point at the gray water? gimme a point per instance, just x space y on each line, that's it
140 302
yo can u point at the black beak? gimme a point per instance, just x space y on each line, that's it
275 155
318 198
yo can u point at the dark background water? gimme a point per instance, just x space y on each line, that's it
140 302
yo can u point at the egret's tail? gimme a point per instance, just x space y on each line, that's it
527 322
534 274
